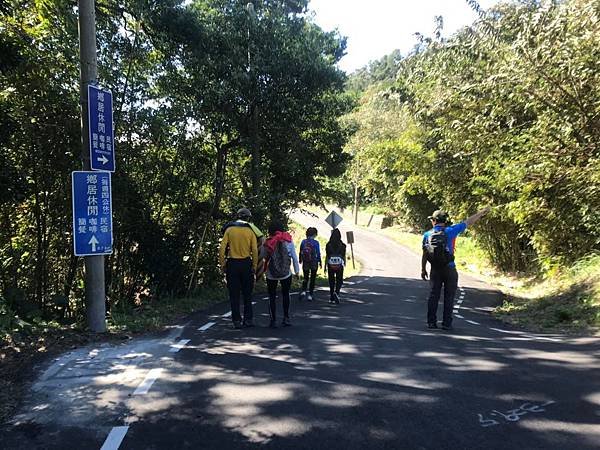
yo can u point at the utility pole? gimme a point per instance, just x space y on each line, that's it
356 204
95 295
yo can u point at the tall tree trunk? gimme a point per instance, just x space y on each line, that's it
255 160
219 187
220 173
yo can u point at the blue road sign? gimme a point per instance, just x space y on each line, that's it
92 213
102 142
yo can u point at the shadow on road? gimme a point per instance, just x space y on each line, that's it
363 374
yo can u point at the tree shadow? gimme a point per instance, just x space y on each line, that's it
363 374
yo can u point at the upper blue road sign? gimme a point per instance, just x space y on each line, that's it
102 142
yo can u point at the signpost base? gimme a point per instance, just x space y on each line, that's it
95 296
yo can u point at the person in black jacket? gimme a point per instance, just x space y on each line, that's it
335 260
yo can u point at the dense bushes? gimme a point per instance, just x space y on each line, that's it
214 108
505 112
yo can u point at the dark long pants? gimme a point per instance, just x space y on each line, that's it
286 284
448 277
240 278
310 276
336 278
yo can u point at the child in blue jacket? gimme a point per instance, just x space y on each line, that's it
310 258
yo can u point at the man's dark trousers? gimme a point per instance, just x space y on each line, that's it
240 277
447 277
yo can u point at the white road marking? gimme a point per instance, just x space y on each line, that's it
176 347
145 386
525 335
206 326
504 331
459 316
472 322
228 314
114 438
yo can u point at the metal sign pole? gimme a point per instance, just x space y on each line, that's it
350 239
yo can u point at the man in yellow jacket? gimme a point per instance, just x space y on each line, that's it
238 257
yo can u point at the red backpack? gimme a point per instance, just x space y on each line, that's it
309 254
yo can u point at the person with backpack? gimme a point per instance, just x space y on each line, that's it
238 258
335 260
438 251
310 258
244 217
279 253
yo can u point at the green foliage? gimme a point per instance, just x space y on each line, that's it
214 109
505 112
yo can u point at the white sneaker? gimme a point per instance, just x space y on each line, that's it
309 297
302 295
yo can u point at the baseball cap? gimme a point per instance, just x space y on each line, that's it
439 216
244 212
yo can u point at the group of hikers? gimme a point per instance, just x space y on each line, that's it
245 254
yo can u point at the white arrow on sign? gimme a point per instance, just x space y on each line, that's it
103 159
333 219
94 242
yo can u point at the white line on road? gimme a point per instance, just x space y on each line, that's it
524 335
228 314
472 322
114 438
148 381
459 316
206 326
176 347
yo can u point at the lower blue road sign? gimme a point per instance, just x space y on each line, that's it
92 213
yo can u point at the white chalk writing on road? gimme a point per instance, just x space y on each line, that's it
513 415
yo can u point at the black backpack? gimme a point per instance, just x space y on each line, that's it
437 251
279 261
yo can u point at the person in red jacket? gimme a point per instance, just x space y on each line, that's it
279 253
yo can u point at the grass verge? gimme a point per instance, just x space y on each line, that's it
568 302
155 315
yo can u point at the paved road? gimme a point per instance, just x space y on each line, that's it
359 375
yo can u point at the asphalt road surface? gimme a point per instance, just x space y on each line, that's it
363 374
